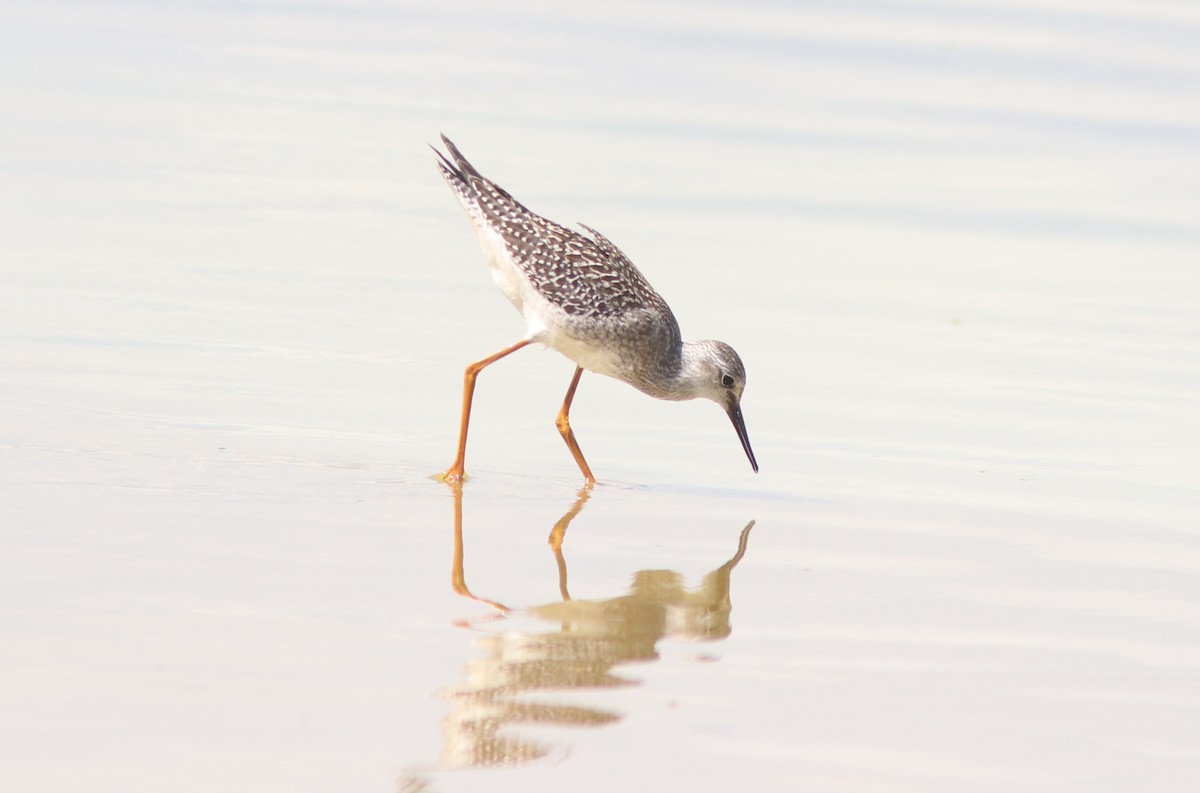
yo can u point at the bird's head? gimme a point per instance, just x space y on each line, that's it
714 371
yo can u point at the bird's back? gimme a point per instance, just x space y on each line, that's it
582 276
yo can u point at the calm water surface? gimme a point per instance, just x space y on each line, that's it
955 246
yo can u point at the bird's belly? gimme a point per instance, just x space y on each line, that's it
504 272
600 360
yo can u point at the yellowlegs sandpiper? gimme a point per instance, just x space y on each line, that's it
581 296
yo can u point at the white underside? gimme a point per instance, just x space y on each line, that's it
542 318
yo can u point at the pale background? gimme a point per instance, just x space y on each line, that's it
956 245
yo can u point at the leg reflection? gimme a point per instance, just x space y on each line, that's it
458 579
568 645
559 531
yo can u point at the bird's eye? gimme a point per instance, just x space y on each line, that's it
727 381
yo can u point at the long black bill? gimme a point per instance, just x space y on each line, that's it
739 424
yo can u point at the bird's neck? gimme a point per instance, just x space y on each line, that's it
678 375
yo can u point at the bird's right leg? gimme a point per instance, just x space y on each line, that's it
456 472
563 422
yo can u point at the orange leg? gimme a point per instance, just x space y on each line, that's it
564 428
456 472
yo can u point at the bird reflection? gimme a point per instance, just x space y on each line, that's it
589 639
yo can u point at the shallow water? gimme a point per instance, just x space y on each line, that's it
955 247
